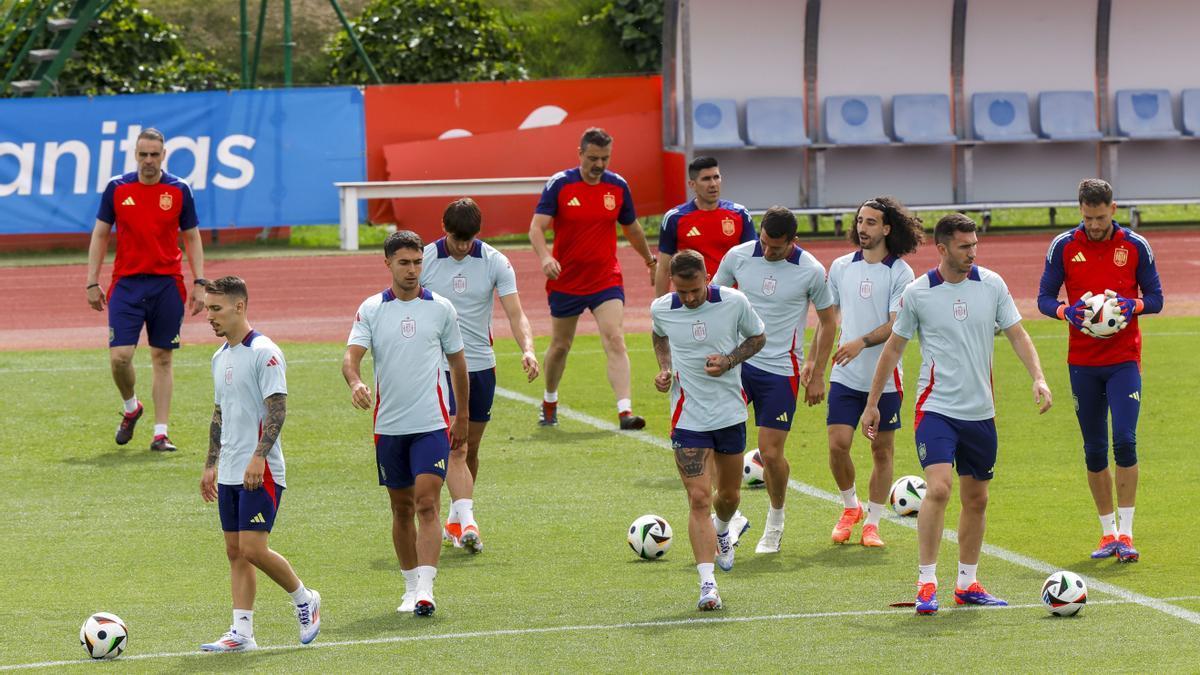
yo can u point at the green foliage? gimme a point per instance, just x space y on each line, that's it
129 51
428 41
637 25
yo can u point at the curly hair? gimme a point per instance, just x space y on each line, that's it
907 232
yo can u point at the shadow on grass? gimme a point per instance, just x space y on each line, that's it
118 457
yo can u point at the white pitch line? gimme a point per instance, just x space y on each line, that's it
947 534
508 632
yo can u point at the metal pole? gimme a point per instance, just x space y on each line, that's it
245 39
362 54
287 43
262 19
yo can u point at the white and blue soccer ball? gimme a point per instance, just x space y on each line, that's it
1064 593
650 537
907 494
104 636
752 469
1104 317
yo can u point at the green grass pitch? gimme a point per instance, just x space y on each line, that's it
89 526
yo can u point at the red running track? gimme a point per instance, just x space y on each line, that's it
312 299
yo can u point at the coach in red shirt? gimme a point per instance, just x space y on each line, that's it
149 208
583 206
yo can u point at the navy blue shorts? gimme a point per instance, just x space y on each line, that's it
153 300
969 446
564 305
773 396
1099 389
400 459
846 406
243 509
727 440
480 395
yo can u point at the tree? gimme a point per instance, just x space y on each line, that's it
428 41
637 24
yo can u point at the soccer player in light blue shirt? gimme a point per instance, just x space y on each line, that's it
701 335
470 273
956 308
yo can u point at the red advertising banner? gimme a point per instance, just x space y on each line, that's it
511 129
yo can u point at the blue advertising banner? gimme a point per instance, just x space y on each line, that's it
253 158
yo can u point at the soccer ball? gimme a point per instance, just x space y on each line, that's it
650 537
907 494
1106 318
103 635
1064 593
752 469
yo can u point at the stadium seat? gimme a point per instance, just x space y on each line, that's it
1068 115
1145 113
776 122
1190 100
854 120
922 118
1001 116
715 124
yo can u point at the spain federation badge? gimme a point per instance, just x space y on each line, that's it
610 201
459 284
864 289
166 201
1120 256
728 226
768 287
699 331
408 327
960 311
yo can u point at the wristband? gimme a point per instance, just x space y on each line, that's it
200 281
652 262
91 286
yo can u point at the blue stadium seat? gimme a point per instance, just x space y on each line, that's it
715 124
1001 116
1190 99
922 118
1145 113
776 122
1068 115
854 120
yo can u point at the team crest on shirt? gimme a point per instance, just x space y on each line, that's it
864 289
768 287
229 375
960 310
408 327
699 331
1120 256
728 226
166 201
610 201
459 284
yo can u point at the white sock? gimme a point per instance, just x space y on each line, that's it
410 580
461 511
874 513
850 498
160 430
131 404
624 405
453 512
927 574
722 526
706 574
1109 524
243 622
966 575
1126 514
774 517
300 595
425 576
550 397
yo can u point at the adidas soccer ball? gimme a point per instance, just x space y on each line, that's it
1106 319
752 469
650 537
907 494
1064 594
103 635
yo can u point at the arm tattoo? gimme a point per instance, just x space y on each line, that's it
749 347
214 439
691 461
662 350
276 412
867 342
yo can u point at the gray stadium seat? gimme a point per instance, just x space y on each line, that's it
1145 113
1001 116
1068 115
922 118
854 120
776 122
715 123
1190 100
